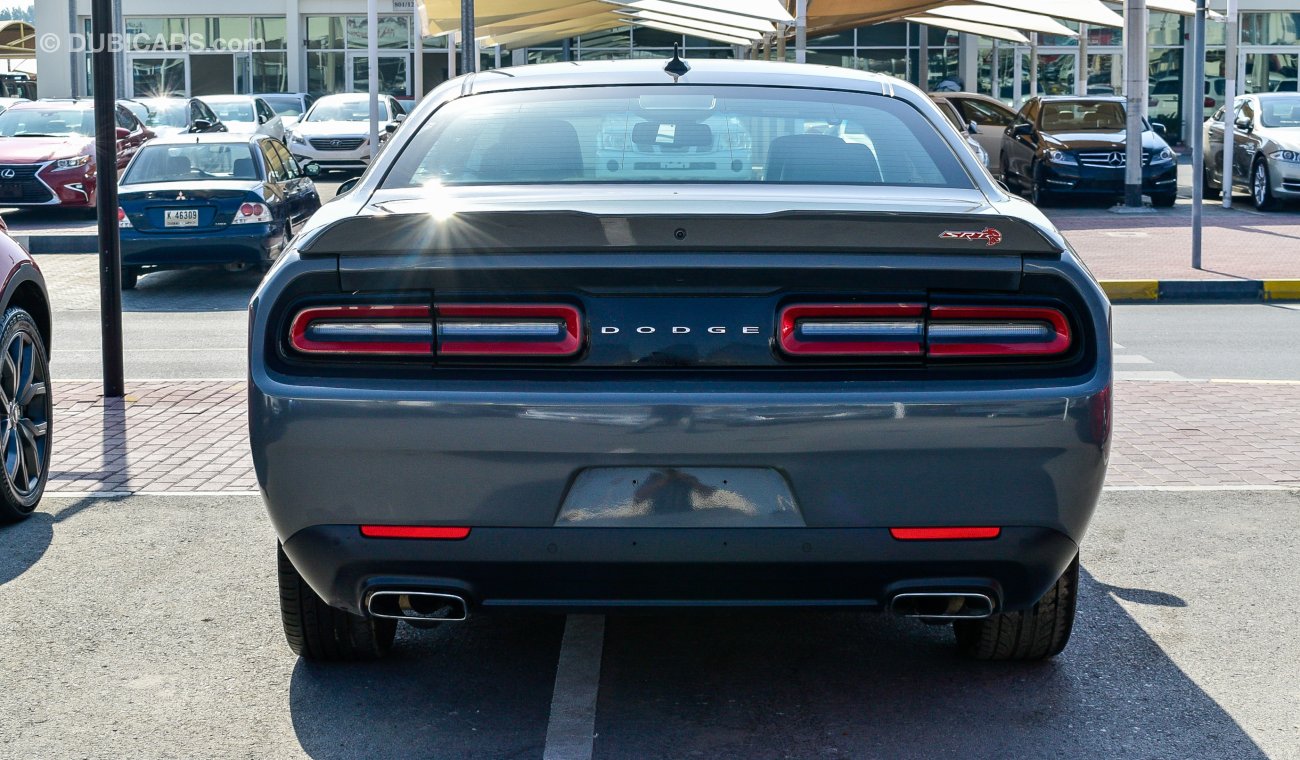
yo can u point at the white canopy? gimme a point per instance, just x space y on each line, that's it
985 30
1004 17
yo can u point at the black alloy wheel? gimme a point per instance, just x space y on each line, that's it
26 413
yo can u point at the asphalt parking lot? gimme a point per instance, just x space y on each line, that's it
148 627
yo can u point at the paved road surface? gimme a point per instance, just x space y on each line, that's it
147 627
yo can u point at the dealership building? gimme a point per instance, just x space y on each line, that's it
319 46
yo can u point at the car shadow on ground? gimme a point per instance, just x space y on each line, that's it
773 685
23 544
199 289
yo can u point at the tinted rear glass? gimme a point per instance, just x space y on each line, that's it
678 134
199 162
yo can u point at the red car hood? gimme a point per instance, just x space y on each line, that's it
35 150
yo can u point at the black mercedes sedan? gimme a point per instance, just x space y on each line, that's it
1060 146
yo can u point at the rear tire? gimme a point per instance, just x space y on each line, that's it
317 631
1035 634
1164 200
130 277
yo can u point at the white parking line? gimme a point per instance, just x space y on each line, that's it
1148 375
1132 359
121 494
571 732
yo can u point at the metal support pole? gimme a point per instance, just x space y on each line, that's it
780 42
417 60
119 61
1230 70
1081 65
451 55
78 63
1135 89
923 58
372 63
1198 146
801 31
1033 64
110 246
468 50
1017 78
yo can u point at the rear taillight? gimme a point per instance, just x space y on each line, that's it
553 330
427 532
448 330
979 331
123 221
964 533
363 331
915 330
896 329
252 213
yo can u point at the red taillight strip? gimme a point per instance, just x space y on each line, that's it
791 343
414 531
1059 325
569 344
944 534
345 314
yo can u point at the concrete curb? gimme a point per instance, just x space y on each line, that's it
1149 291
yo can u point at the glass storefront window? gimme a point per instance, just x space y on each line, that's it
882 35
157 77
324 33
1165 88
220 33
394 33
326 73
271 32
613 39
270 72
1269 29
1164 29
156 33
892 61
653 38
1056 73
1270 72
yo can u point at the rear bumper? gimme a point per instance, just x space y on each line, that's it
162 249
601 569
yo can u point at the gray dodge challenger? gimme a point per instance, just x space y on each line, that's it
717 334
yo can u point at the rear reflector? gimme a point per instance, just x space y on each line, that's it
414 531
943 534
553 330
896 329
363 331
978 331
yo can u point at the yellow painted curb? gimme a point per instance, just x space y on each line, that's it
1131 290
1282 290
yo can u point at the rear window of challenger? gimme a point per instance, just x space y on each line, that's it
678 134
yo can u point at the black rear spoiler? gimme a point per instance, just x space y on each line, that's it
578 232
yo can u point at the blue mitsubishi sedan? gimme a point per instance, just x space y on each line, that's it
212 200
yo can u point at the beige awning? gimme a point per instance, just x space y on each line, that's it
1003 17
984 30
1085 11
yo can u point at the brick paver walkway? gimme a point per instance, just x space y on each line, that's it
1236 244
192 436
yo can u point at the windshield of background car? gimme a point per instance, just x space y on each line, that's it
1280 112
678 134
40 122
1082 116
345 110
233 111
168 114
286 106
190 163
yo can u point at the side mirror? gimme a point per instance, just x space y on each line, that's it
347 187
261 119
312 169
201 125
972 128
123 133
1022 128
401 117
391 127
1244 124
1159 128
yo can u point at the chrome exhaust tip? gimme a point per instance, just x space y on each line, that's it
417 606
941 605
